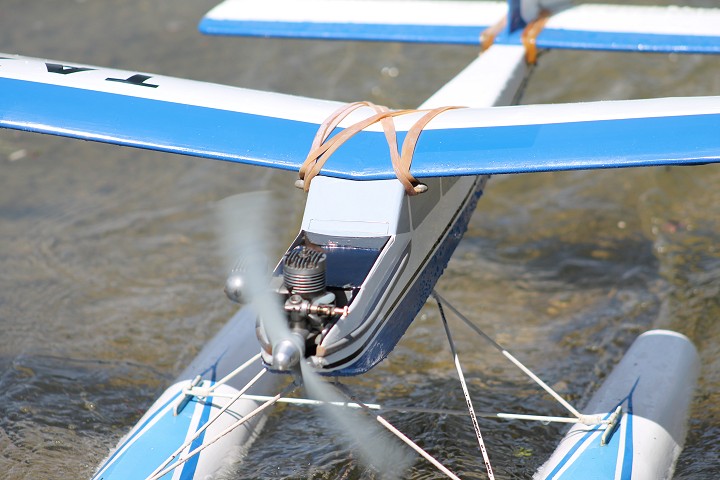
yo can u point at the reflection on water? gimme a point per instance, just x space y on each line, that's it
112 282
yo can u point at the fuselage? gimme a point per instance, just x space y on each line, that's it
385 252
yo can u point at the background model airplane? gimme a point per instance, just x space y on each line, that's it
52 97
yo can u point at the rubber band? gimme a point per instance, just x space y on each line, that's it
323 147
402 169
530 34
487 37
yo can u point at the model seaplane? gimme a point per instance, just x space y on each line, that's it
390 194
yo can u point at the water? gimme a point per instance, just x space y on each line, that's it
112 282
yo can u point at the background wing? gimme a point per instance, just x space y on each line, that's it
275 130
634 29
589 26
391 20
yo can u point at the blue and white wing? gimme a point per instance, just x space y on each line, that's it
157 112
276 130
521 139
634 29
387 20
584 27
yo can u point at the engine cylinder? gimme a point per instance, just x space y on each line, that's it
304 271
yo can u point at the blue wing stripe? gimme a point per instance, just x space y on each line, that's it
627 42
152 124
450 34
281 143
569 146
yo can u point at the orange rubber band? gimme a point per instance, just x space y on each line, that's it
487 37
322 147
530 34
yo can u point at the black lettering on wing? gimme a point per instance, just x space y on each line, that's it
136 79
65 69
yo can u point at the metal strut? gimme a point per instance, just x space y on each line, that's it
579 417
405 439
466 393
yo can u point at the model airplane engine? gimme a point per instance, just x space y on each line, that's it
309 304
309 307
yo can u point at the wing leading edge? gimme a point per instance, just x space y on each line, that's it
276 130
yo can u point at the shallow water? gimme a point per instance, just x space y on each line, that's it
112 281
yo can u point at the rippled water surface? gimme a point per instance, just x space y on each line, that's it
111 281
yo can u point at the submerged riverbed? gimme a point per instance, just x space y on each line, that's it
112 281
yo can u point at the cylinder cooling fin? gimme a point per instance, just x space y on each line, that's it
304 271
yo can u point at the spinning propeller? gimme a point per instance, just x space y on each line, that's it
243 231
244 241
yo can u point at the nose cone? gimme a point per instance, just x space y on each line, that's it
286 355
234 287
